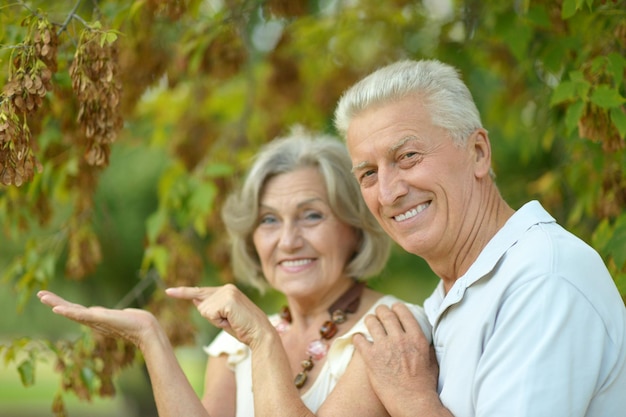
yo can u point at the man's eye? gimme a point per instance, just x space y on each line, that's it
367 177
408 159
366 174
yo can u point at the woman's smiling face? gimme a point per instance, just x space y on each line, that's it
303 247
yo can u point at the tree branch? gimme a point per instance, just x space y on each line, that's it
69 17
139 288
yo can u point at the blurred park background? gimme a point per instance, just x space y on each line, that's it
123 124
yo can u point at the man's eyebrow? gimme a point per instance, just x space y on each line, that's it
392 149
401 143
360 166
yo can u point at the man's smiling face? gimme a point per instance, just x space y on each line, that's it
414 178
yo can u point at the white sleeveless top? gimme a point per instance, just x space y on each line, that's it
339 355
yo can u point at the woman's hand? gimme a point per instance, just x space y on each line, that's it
130 324
228 308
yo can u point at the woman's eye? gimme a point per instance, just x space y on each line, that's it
267 219
313 215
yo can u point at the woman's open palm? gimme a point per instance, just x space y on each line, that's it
129 324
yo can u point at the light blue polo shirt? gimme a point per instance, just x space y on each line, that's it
535 328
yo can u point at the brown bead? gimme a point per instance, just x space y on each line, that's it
285 314
307 364
328 330
300 379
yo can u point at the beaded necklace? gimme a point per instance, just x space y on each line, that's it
348 302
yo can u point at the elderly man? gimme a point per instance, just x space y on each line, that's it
526 319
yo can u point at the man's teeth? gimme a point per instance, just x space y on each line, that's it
411 213
298 262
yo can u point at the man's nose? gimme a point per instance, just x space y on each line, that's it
391 186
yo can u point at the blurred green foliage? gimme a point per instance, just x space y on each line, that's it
201 84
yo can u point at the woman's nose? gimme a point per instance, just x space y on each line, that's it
290 236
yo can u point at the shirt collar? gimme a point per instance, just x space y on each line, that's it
528 215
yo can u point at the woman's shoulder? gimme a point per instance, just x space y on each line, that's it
389 300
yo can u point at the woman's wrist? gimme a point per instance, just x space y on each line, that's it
151 336
265 340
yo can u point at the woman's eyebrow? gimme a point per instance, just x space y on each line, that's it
309 201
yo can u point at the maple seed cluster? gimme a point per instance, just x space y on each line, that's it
32 66
95 83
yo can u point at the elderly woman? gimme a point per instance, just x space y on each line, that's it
298 225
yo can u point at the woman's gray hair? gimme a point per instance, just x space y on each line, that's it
436 84
301 149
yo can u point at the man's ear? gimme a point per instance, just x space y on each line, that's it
479 143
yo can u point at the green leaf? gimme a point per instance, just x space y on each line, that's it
567 90
88 377
616 66
201 203
71 167
199 225
218 170
602 236
618 117
26 370
47 268
577 76
597 64
568 9
617 244
577 87
539 16
606 97
9 354
155 224
515 34
556 52
135 7
111 37
158 256
620 282
202 198
573 115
